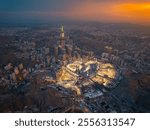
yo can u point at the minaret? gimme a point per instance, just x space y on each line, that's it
62 37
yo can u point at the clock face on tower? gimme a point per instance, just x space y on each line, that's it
62 35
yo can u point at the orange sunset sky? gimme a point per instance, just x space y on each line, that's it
120 11
132 11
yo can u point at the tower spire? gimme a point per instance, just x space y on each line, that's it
62 28
62 36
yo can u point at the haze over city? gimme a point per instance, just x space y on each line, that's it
126 11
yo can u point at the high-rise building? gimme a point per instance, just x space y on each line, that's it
56 53
62 37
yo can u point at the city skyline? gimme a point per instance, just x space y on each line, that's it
130 11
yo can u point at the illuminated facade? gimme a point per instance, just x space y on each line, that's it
62 37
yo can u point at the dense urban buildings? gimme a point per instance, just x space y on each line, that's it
92 67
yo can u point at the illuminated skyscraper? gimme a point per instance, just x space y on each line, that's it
62 37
